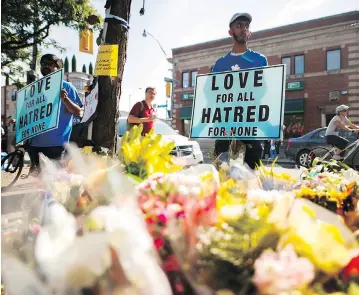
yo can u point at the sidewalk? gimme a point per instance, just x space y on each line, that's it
282 158
23 190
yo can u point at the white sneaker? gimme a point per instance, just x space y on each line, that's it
338 157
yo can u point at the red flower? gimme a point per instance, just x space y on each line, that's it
159 243
171 264
162 218
352 269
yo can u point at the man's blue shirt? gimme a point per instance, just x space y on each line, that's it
61 135
233 62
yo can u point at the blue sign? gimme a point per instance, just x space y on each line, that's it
245 104
38 106
162 106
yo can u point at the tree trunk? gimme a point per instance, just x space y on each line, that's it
105 124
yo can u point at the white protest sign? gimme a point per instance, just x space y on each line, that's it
244 104
91 102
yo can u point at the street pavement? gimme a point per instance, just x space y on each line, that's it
16 200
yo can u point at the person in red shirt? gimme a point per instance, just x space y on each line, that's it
143 112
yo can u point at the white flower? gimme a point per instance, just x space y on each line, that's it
235 68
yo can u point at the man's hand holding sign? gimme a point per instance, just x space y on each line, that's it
242 99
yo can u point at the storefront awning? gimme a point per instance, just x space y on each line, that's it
186 113
294 105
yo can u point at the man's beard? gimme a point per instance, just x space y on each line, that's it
238 40
45 71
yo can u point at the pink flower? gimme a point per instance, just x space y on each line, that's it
35 229
159 243
162 218
282 271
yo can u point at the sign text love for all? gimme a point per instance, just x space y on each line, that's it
245 104
37 106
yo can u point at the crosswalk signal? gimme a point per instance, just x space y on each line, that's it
86 41
168 89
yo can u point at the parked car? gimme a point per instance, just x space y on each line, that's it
299 148
187 152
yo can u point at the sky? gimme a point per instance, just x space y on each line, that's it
177 23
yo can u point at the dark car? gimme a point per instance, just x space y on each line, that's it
299 148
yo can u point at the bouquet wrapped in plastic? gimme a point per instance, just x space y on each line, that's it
267 245
336 190
95 253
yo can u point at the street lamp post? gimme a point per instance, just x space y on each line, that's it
129 99
169 60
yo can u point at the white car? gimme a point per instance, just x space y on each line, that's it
187 152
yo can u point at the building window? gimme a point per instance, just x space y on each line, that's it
193 78
299 64
186 127
13 95
286 61
294 125
185 80
79 84
333 59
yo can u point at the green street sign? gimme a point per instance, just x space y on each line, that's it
187 96
297 85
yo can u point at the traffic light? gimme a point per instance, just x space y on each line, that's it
86 41
168 89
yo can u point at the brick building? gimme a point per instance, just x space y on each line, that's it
322 58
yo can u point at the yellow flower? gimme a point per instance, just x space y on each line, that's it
229 193
305 191
319 241
143 156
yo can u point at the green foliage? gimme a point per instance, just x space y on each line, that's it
91 69
23 23
73 64
66 65
227 253
84 69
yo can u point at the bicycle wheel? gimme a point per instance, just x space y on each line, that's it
11 167
355 161
318 154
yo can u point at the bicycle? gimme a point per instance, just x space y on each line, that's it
12 165
322 154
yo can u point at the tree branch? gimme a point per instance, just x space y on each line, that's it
23 43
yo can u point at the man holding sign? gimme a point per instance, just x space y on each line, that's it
241 57
51 143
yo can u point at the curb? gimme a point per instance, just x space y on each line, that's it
279 161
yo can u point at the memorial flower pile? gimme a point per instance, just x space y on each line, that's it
338 191
141 224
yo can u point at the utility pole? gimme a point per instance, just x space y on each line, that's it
115 32
172 80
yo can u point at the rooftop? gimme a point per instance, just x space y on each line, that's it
310 24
